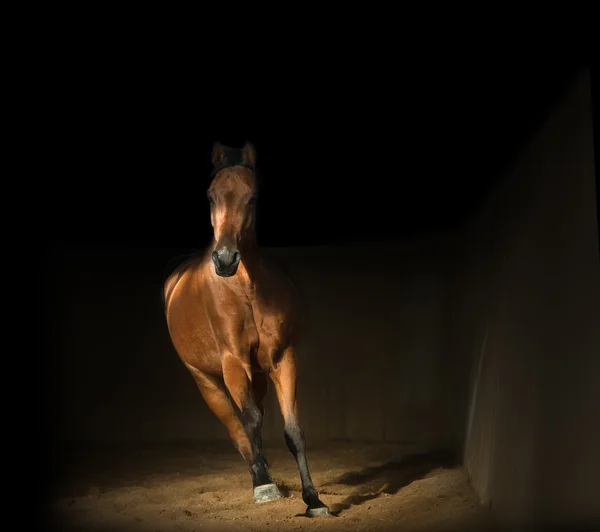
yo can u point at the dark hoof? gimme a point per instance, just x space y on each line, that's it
266 493
322 511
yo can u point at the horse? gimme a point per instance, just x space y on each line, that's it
234 320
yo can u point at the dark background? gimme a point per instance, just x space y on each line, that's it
346 157
342 158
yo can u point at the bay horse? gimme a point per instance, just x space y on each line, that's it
234 321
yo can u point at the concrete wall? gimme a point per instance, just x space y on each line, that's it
528 316
372 365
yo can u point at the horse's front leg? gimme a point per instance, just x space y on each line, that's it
284 378
238 381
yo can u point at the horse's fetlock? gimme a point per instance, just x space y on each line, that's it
310 496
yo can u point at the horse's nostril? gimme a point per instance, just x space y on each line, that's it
226 257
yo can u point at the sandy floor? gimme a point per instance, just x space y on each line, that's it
207 487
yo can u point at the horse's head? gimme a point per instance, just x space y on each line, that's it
232 194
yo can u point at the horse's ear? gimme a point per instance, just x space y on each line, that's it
249 154
218 153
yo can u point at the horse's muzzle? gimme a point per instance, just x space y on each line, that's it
226 261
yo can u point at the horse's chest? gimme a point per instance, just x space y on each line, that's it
260 339
252 331
238 330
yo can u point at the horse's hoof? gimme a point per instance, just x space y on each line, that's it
266 493
323 511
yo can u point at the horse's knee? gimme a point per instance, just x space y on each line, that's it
294 438
251 418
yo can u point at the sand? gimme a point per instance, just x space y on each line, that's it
207 487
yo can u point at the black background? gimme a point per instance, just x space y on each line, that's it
384 149
383 153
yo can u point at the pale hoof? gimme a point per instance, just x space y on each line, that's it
323 511
266 493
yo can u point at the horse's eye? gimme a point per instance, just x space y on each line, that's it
252 200
211 200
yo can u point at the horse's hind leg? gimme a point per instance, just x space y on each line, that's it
284 378
240 386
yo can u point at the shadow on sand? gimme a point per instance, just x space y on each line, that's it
389 477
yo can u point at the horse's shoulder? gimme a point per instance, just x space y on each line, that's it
178 273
